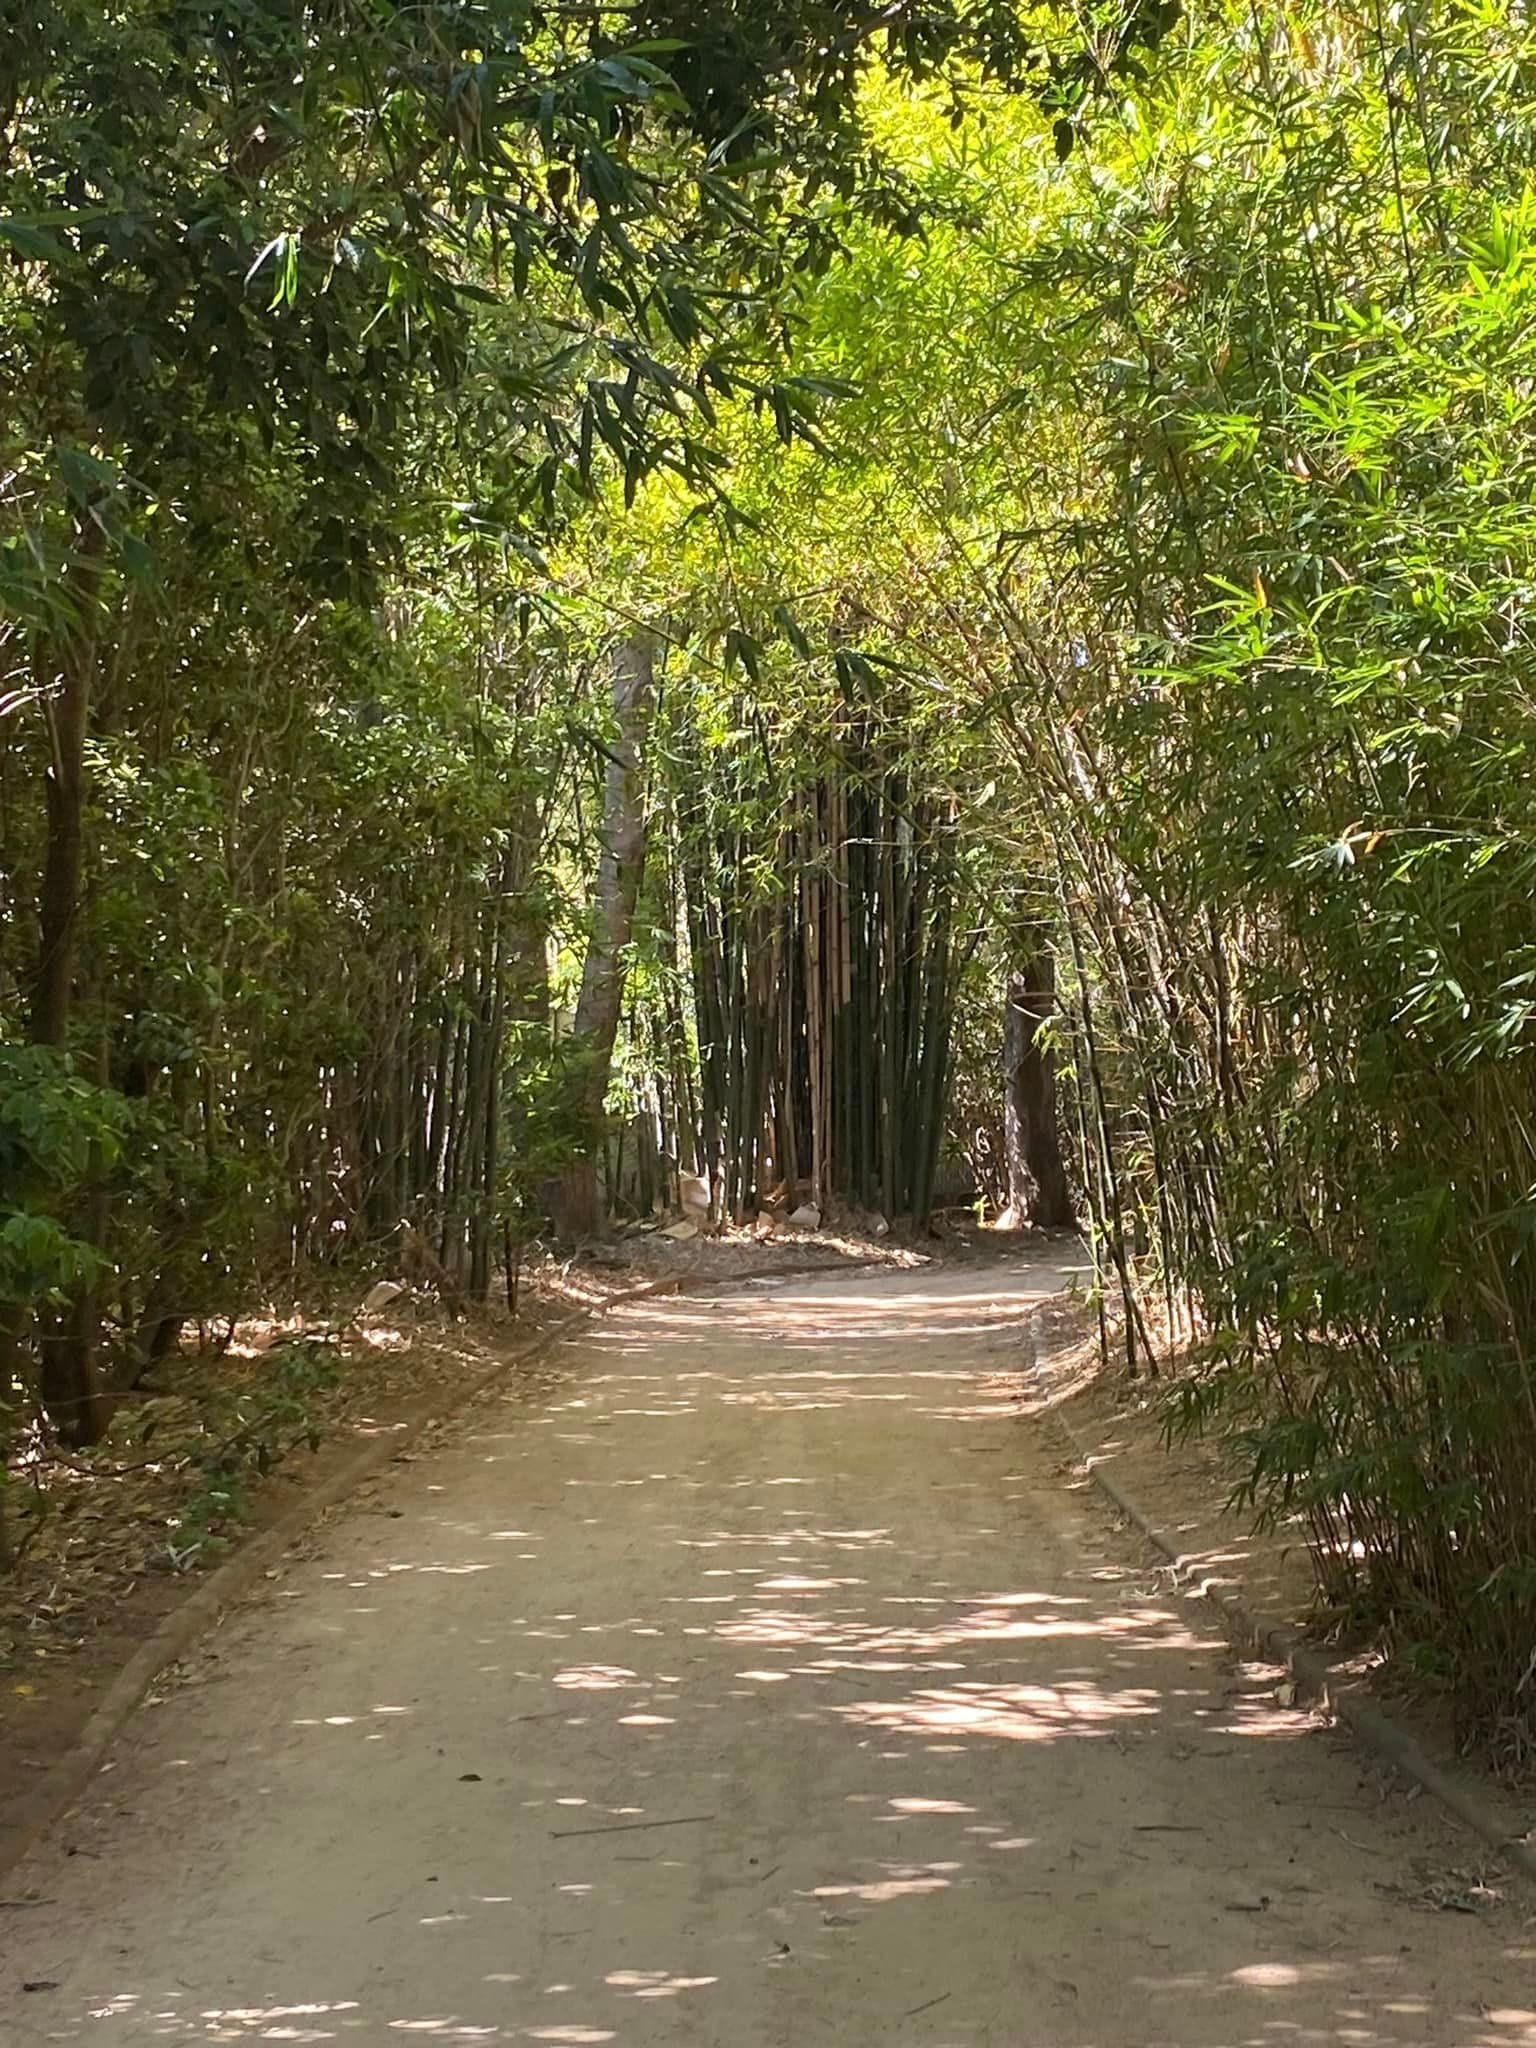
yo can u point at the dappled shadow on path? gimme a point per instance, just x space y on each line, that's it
767 1686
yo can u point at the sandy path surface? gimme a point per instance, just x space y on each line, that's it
768 1685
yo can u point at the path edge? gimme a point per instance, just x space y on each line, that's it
1315 1678
30 1818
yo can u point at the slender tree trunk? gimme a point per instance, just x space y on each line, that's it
439 1119
620 865
71 1386
1037 1177
525 975
450 1222
66 671
933 1071
490 1105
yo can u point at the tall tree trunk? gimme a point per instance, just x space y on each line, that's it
589 1050
70 1383
1037 1177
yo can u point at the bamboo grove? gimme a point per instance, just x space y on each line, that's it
1205 465
316 335
553 640
823 1006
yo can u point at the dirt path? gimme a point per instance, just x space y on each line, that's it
767 1686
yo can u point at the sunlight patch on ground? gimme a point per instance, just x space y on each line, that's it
1014 1713
898 1881
655 1983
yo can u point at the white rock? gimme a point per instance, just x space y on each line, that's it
806 1217
681 1231
380 1295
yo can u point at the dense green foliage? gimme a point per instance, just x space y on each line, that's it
319 327
1191 481
1090 546
1263 645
